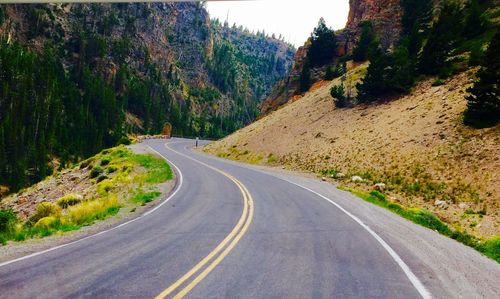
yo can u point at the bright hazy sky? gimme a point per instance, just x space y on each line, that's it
294 19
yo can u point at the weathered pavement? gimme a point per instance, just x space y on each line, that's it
238 231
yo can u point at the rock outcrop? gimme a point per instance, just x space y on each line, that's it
177 38
138 65
385 16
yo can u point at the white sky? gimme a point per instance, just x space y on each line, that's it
294 19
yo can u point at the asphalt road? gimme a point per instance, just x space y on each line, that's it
235 231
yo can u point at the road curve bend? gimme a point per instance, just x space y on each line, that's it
237 231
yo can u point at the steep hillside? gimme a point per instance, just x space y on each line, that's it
76 78
385 15
424 37
265 60
417 145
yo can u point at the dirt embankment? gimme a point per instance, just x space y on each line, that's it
416 145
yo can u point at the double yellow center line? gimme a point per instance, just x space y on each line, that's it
207 264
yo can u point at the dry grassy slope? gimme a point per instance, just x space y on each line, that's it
416 144
77 181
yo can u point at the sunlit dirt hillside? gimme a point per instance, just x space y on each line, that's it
416 144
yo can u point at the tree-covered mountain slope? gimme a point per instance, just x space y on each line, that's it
75 78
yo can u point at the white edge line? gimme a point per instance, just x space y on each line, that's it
406 269
411 276
108 230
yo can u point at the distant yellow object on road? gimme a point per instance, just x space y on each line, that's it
167 130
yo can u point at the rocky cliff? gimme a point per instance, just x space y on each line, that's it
176 38
385 16
76 78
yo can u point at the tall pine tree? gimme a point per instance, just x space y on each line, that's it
442 38
375 82
366 42
323 45
483 103
417 15
475 22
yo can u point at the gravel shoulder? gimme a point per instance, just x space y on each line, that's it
447 268
416 144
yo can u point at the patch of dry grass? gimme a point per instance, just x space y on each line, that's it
94 190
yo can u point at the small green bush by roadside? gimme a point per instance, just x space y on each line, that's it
45 209
8 221
438 82
69 200
145 197
46 222
490 248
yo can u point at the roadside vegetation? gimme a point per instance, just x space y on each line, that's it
490 247
117 179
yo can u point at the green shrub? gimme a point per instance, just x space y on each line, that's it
46 222
111 169
45 209
104 187
88 212
86 163
329 172
492 248
438 82
338 94
101 178
69 200
427 219
8 220
145 197
378 195
95 172
271 158
105 161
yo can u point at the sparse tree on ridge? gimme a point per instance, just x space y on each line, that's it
323 45
483 103
362 50
475 22
305 78
416 19
443 36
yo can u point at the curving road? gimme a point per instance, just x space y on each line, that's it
236 231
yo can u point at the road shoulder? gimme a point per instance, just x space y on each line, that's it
446 267
16 250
